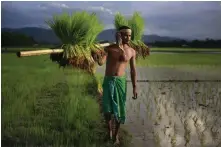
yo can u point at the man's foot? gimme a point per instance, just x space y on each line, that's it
116 140
111 135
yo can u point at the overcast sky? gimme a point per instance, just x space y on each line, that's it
179 19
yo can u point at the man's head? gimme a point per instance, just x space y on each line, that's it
125 33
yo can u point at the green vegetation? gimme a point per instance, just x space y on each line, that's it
181 60
43 105
136 23
207 43
16 39
78 33
183 49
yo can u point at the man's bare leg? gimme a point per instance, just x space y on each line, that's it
116 133
109 124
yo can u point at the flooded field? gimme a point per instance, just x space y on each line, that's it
175 114
169 114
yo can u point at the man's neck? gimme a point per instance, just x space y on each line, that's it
125 44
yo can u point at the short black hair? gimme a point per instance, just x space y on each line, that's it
123 27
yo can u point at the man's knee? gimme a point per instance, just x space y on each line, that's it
107 116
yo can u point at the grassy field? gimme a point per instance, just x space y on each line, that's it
151 49
40 47
43 105
183 49
181 60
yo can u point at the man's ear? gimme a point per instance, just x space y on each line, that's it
118 38
118 35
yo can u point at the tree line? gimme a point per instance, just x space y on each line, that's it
16 39
208 43
19 39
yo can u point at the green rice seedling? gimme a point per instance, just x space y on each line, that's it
165 106
164 130
131 104
175 107
173 140
155 100
120 20
214 133
138 106
143 121
58 106
186 114
156 122
136 23
150 116
187 132
138 115
219 144
182 119
175 127
159 115
147 109
202 139
78 33
170 120
156 139
195 120
160 101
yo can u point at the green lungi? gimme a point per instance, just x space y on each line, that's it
114 96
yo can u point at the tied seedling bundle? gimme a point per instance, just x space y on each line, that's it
78 33
136 23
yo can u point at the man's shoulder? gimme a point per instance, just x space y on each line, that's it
133 50
112 46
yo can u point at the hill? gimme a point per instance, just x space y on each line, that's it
42 35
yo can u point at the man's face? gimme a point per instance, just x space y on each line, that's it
126 37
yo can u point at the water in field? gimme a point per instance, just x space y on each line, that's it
175 113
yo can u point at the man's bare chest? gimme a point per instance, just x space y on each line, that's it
119 55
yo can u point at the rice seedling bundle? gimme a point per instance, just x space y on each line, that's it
136 23
78 33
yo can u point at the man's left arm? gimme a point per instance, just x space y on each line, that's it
133 73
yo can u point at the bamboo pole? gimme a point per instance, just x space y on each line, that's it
50 51
38 52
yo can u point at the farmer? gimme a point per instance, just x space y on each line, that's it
117 57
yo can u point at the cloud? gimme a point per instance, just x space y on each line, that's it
109 26
53 5
100 8
180 19
59 5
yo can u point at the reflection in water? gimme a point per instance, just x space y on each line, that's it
175 114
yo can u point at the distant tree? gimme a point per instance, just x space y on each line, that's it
207 43
16 39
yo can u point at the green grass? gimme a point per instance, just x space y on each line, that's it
183 49
26 48
151 49
181 60
43 105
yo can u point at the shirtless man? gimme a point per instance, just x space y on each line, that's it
115 86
